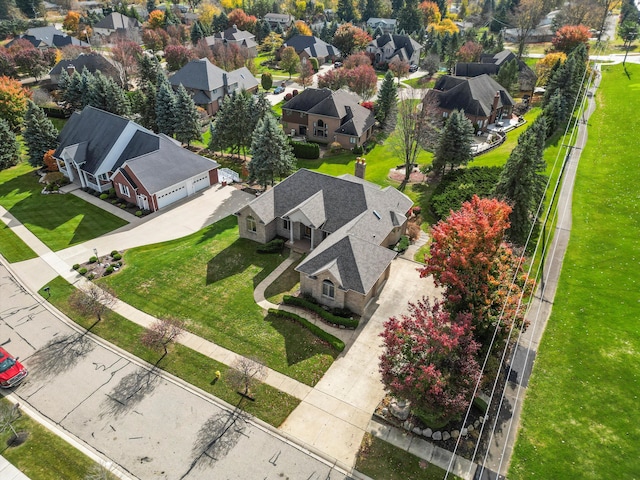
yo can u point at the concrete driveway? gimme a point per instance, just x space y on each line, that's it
151 425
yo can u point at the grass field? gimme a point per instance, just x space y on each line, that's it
57 220
580 417
270 405
12 247
208 278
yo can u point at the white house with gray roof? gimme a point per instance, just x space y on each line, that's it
347 225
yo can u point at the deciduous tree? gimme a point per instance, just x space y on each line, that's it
544 65
271 154
569 37
177 56
303 28
429 358
306 72
126 53
14 100
408 138
526 17
289 60
429 13
71 22
400 68
470 52
93 300
240 19
39 134
162 333
244 375
362 81
156 20
350 39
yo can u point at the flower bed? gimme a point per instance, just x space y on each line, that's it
101 266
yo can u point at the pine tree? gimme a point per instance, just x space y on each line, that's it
165 109
371 9
64 80
271 154
522 182
228 128
9 146
72 94
187 119
345 10
555 113
196 32
149 69
117 100
151 5
454 145
148 111
219 22
39 134
386 105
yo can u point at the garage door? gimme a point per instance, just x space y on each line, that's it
201 182
173 195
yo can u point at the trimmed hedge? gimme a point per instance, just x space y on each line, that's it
329 317
310 151
274 246
317 331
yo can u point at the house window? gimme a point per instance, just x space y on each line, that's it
320 129
328 290
124 190
445 114
251 224
353 140
286 224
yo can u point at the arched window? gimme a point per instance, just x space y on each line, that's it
251 224
320 123
328 290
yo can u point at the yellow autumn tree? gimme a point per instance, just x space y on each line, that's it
229 5
544 66
156 19
71 22
303 28
445 26
207 12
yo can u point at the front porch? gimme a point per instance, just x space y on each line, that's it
302 245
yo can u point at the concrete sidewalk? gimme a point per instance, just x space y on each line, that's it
9 472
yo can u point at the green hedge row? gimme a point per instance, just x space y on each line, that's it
329 317
307 150
317 331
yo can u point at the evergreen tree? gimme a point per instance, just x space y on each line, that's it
148 112
522 182
187 119
371 9
396 6
116 99
220 22
228 129
72 94
39 134
271 153
84 86
508 75
64 80
409 17
346 11
151 5
96 90
165 107
555 113
196 32
9 146
149 69
387 102
454 144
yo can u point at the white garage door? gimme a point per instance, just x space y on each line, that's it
201 182
173 195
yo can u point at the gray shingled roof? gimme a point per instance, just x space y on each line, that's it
244 78
92 62
199 75
358 214
312 45
403 45
117 21
473 95
168 165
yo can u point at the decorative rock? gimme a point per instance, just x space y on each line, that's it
400 411
437 436
385 411
455 434
417 431
470 428
476 424
427 432
481 419
445 436
464 432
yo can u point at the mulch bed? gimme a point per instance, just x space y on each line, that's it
99 269
397 175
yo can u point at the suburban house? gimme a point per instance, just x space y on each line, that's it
232 36
307 47
282 20
45 37
92 62
389 47
325 116
209 84
347 225
101 150
543 32
387 25
490 64
117 23
483 100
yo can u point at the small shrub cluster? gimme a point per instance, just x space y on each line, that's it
358 150
274 246
335 147
307 150
328 316
317 331
93 259
402 244
288 97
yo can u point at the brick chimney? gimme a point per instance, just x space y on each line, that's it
494 108
361 166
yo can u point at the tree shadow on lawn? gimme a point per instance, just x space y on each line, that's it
237 258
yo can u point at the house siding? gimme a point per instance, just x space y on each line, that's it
120 179
263 234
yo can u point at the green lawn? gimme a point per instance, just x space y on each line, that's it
12 247
44 455
270 405
286 284
208 278
382 461
580 416
58 220
417 82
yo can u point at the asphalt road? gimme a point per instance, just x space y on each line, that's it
151 425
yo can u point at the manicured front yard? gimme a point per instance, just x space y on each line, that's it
270 405
58 220
208 278
43 456
381 460
580 416
12 247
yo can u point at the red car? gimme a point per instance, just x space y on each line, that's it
12 372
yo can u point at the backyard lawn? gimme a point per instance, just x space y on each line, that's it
57 220
208 278
580 416
12 247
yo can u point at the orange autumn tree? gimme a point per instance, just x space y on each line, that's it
50 162
71 22
13 101
156 19
303 28
430 13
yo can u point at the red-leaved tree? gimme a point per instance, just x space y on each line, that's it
430 360
470 52
177 56
357 59
478 270
349 39
362 80
242 20
569 37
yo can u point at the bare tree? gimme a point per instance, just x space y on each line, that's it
162 333
93 300
245 373
526 18
8 415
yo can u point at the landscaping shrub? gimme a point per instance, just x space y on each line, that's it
460 186
76 266
274 246
91 276
109 270
53 177
139 213
317 331
402 244
104 196
112 192
113 252
307 150
295 92
413 231
314 307
314 63
357 150
93 259
480 404
117 256
131 205
335 147
114 201
288 97
82 271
